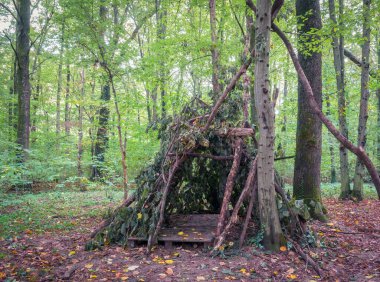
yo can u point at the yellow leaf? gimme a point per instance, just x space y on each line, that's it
283 248
124 278
89 265
169 261
72 253
243 270
330 224
2 275
93 276
176 255
291 276
139 216
181 233
275 273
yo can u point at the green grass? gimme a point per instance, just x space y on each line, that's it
55 210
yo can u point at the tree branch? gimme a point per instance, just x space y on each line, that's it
8 10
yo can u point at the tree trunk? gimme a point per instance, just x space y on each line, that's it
161 14
59 87
338 48
269 218
80 125
22 70
67 105
363 114
307 167
11 104
378 102
216 88
330 141
101 142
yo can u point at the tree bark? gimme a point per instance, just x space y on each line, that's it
59 87
67 105
161 15
101 141
363 114
307 167
378 102
331 147
22 82
338 49
238 146
80 125
269 218
216 88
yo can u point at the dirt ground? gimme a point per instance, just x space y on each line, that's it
350 251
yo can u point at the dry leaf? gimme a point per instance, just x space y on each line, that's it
169 261
169 271
89 265
201 278
283 248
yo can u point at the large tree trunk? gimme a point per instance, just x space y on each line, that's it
363 114
269 218
11 104
338 48
307 167
104 113
378 102
22 70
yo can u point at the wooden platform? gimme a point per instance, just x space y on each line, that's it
192 228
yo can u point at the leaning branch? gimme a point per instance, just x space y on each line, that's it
357 62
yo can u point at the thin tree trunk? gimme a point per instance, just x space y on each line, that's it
11 101
59 87
269 218
363 114
23 85
338 48
67 105
331 147
307 167
216 89
80 125
161 15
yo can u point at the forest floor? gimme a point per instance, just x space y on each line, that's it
42 238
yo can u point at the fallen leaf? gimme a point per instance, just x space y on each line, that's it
133 267
2 275
72 253
89 265
169 261
180 233
201 278
124 278
169 271
139 216
162 275
330 224
93 276
291 276
283 248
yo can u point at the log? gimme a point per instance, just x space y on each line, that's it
229 185
234 217
209 156
235 132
